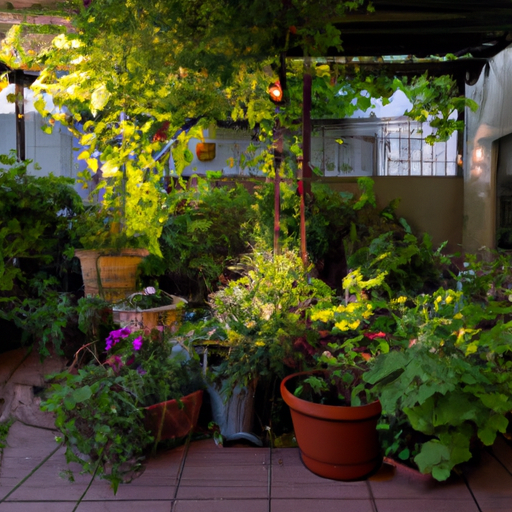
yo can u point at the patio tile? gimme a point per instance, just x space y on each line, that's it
123 506
206 452
221 505
408 484
28 443
37 507
426 505
157 482
503 452
291 479
495 505
308 505
212 472
489 480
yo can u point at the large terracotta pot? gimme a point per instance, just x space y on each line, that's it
113 276
169 420
335 442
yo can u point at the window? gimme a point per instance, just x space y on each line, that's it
394 147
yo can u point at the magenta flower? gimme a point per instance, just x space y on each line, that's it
116 336
137 343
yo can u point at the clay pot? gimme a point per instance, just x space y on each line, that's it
169 420
336 442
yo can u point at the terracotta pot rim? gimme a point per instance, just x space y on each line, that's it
334 412
184 397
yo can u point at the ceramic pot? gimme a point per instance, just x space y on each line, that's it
234 416
169 420
337 442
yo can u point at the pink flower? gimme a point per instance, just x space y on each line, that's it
137 343
115 363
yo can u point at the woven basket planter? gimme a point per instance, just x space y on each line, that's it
112 276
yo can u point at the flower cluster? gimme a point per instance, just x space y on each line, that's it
116 336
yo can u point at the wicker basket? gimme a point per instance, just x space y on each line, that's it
112 276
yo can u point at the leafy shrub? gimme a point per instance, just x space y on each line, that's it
206 230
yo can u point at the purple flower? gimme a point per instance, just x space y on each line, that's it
115 337
137 343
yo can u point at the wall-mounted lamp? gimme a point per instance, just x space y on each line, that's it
476 171
478 154
276 92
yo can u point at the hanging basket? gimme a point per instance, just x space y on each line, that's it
112 276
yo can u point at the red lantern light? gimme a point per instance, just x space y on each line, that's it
276 92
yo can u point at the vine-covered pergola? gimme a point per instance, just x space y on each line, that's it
133 67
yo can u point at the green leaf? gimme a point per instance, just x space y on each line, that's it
69 402
422 416
385 365
82 394
433 454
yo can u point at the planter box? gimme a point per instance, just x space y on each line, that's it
165 316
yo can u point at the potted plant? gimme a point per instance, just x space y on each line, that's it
112 410
257 319
333 411
149 309
109 258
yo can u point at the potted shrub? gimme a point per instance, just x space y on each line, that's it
334 414
109 258
336 438
446 383
256 321
111 411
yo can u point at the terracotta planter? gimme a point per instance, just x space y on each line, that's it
335 442
168 420
112 276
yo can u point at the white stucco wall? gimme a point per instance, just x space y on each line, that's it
52 152
493 120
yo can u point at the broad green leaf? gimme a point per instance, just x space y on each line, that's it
82 394
433 455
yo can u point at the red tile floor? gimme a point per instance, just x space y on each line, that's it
201 477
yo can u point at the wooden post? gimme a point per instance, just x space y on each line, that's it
305 168
19 112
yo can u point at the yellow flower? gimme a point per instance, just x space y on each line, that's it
457 316
325 315
260 344
448 299
352 307
342 326
354 325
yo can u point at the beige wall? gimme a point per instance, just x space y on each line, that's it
429 204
